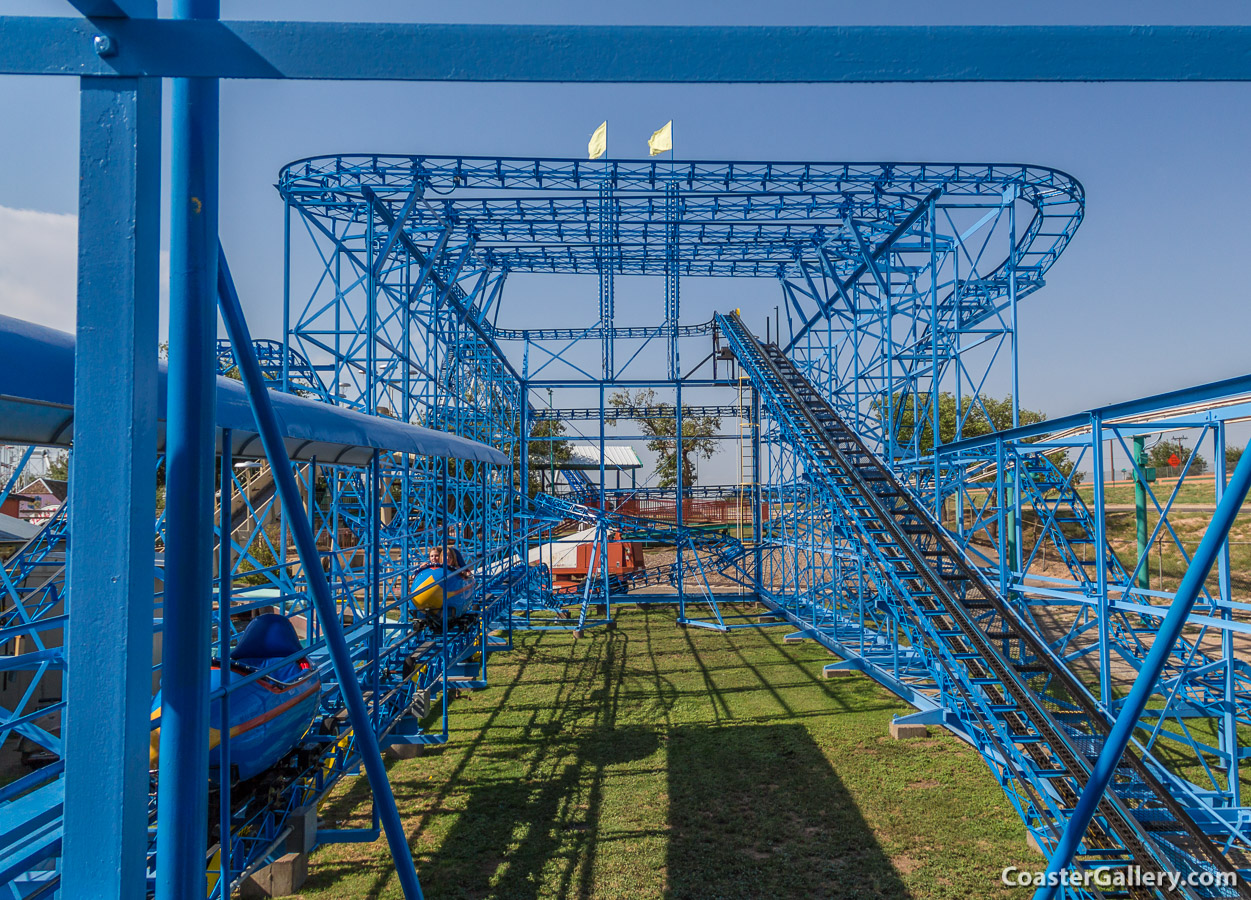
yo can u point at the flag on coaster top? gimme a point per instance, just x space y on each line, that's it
598 145
661 140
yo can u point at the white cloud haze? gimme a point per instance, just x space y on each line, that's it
38 266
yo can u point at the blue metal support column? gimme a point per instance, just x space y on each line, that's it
1229 740
1131 710
306 547
182 796
225 560
757 495
607 247
113 491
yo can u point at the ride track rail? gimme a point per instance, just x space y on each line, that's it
720 550
1025 710
736 217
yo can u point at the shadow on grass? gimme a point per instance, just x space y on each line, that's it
756 811
510 831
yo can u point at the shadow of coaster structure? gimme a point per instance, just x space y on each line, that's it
899 284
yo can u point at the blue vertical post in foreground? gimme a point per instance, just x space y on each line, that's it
113 491
1170 629
319 587
182 793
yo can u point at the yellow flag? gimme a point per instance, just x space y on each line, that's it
661 140
598 145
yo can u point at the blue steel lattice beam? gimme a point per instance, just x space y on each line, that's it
319 588
1145 684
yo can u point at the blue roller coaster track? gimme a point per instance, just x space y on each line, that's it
964 568
894 278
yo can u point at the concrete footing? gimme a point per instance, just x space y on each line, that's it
902 731
303 830
281 878
838 673
1032 843
794 639
403 751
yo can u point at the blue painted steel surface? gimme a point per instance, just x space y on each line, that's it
182 802
1166 636
37 407
900 285
686 54
1028 716
323 601
112 499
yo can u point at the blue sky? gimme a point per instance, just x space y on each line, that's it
1151 294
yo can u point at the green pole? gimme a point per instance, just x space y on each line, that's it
1014 562
1140 511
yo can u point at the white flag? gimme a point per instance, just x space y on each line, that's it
661 140
598 145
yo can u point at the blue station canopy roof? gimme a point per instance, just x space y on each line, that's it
37 407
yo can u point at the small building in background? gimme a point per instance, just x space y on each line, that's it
13 530
12 504
45 497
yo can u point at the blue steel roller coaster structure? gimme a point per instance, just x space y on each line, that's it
915 551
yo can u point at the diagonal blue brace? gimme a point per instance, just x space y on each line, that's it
1170 630
870 257
306 547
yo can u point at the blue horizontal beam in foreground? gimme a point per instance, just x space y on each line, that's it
1192 396
691 54
37 407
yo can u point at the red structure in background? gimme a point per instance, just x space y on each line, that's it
695 510
622 558
13 503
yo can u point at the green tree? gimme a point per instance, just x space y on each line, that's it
1164 449
987 415
1232 455
546 452
657 420
58 467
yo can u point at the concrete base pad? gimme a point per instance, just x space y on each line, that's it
403 751
794 639
902 731
838 673
1032 843
303 830
283 877
578 634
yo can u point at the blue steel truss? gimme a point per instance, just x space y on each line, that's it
923 566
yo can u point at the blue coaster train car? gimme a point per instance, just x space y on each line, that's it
268 716
439 586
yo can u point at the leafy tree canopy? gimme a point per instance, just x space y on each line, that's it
1162 451
658 421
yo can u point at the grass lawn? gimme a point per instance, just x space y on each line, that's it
658 762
